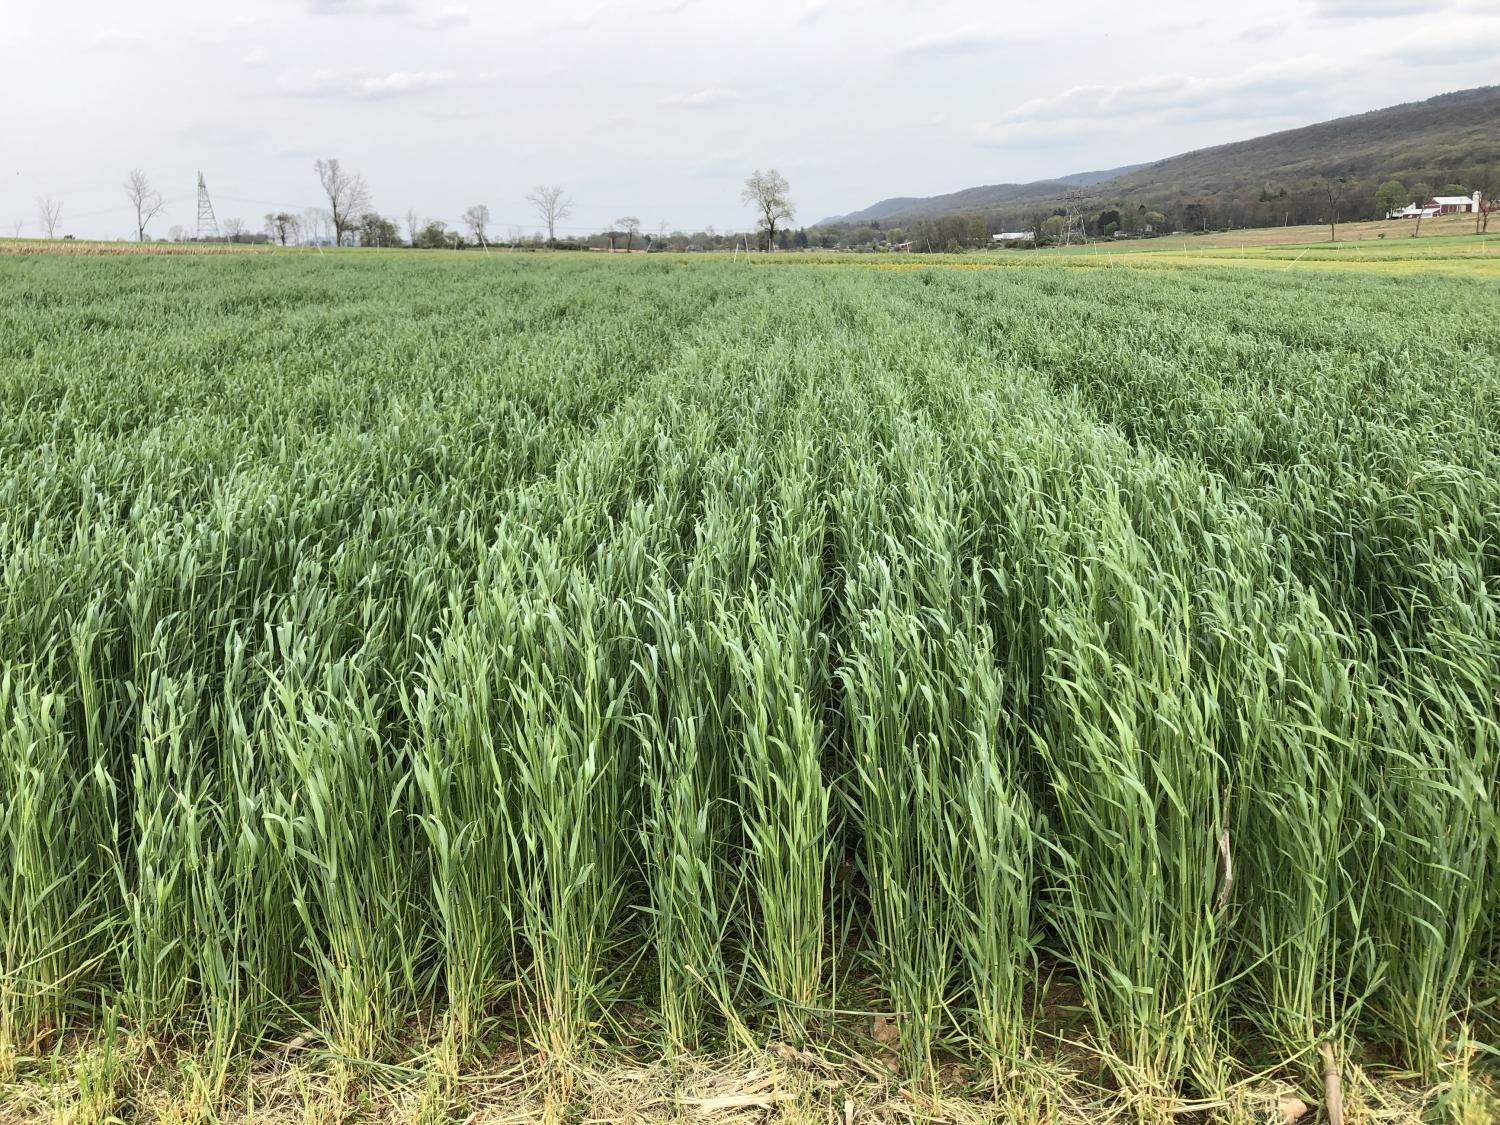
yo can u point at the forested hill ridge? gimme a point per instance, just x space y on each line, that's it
1451 139
988 197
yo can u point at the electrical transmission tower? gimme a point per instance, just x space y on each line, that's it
208 226
1075 227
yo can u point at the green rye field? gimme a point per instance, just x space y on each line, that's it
494 688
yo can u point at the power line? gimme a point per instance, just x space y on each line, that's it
494 222
125 207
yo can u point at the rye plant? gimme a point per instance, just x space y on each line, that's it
564 753
1138 791
460 776
654 656
684 824
48 926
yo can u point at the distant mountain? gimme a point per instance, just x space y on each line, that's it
1089 179
978 198
1450 139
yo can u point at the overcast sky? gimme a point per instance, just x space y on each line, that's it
659 108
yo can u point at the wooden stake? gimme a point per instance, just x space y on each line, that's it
1332 1091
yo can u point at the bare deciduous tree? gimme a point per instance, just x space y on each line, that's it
1334 190
413 225
632 227
477 219
767 193
552 206
177 233
146 200
314 222
233 228
281 227
348 197
49 212
17 226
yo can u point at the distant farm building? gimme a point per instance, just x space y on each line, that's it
1455 204
1439 205
1013 236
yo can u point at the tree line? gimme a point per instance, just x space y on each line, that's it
349 218
1327 200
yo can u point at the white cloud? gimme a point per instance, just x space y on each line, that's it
453 113
358 7
814 11
1469 42
1036 134
818 88
1262 33
1366 10
719 164
1261 92
367 87
701 99
216 133
1372 9
114 37
580 18
966 40
450 15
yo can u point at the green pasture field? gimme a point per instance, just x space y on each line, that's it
1468 255
1462 255
468 687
